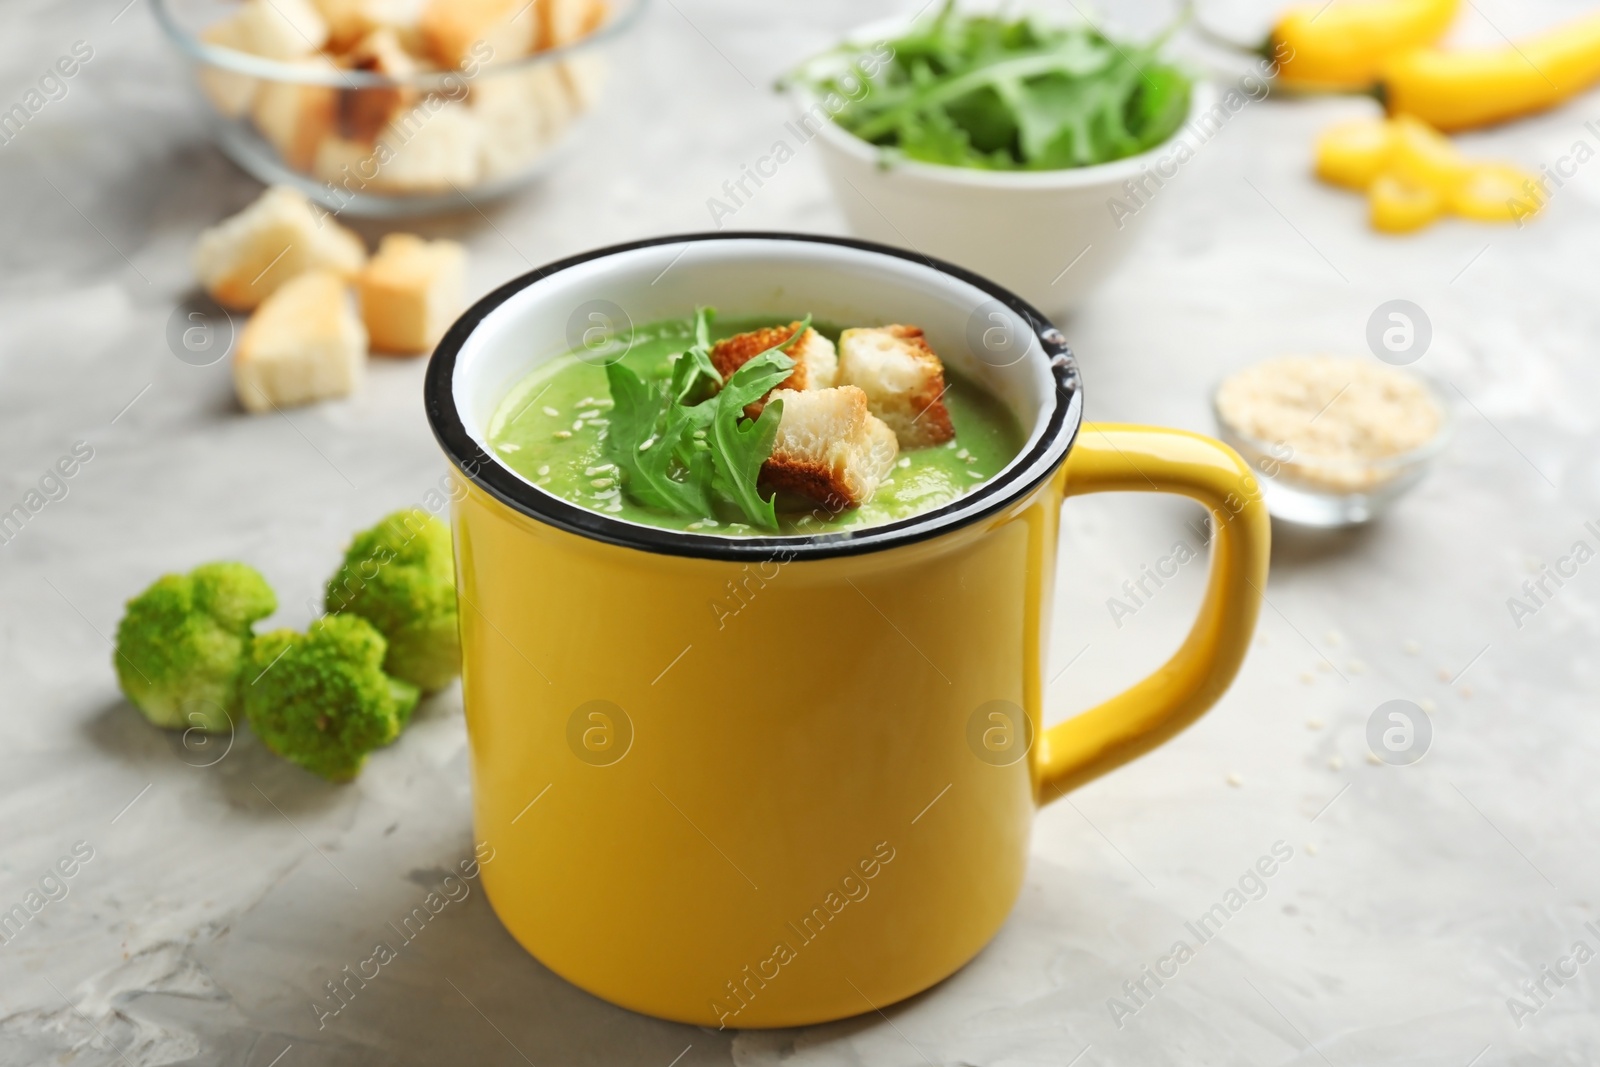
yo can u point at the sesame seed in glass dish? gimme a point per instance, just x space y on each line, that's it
397 107
1334 441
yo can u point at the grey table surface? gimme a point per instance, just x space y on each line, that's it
1418 901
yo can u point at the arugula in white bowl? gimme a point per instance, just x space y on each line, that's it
996 93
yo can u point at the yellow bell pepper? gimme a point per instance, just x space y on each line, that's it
1399 205
1355 152
1467 88
1343 45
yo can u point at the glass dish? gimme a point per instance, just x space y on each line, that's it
374 144
1334 491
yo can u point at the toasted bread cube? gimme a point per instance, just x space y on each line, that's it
816 364
486 31
430 151
295 118
522 113
283 29
903 380
829 447
243 259
411 291
351 20
517 119
585 76
561 22
230 93
363 112
303 343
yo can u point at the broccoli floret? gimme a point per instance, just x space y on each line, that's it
321 698
183 641
400 576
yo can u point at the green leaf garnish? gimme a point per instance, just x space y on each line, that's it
684 445
992 92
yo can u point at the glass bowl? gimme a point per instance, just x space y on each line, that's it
1334 491
374 131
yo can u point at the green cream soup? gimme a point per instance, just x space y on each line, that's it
551 429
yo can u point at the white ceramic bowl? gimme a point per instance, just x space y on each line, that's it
1050 236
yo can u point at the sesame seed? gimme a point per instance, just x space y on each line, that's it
545 469
510 447
1412 648
1313 723
905 461
577 426
977 474
1335 763
1235 779
562 435
552 412
602 483
588 414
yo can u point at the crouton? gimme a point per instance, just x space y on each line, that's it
561 22
363 112
411 291
303 343
351 20
294 118
243 259
816 364
456 31
522 112
430 151
282 29
585 76
829 447
903 380
230 93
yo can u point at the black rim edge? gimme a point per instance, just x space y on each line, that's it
499 481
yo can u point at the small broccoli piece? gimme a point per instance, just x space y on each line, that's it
400 576
321 698
183 641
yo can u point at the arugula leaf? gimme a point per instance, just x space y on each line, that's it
684 445
739 446
644 455
985 91
694 376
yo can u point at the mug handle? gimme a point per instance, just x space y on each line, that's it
1110 457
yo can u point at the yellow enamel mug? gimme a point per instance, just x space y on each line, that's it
818 804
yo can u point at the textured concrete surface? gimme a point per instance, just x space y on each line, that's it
225 887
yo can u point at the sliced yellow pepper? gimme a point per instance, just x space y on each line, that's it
1425 156
1467 88
1353 153
1495 192
1412 175
1343 45
1399 205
